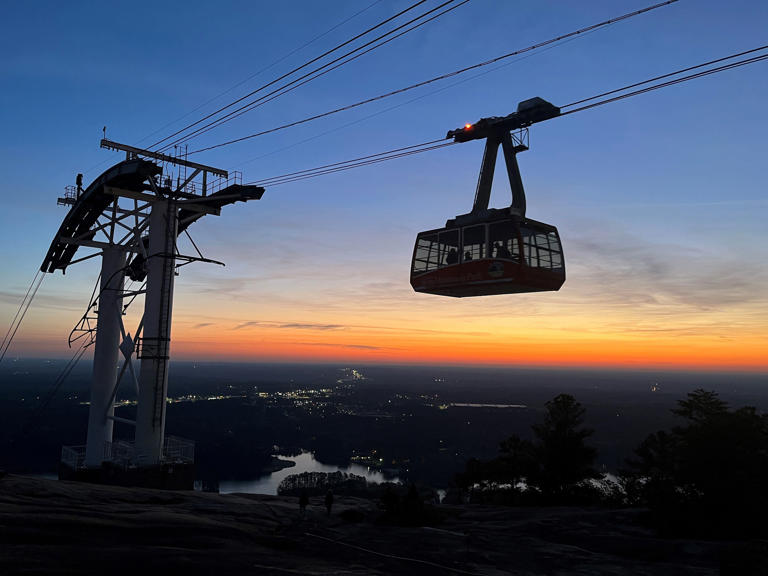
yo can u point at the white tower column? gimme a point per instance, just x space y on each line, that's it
155 345
105 358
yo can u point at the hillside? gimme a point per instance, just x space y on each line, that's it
50 527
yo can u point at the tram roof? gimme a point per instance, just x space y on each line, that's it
495 215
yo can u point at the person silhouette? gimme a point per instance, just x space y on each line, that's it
303 501
502 251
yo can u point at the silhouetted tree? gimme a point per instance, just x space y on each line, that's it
700 406
514 461
553 465
509 468
708 476
561 458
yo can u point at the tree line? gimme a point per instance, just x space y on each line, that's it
704 477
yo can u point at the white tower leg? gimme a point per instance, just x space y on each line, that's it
105 358
155 348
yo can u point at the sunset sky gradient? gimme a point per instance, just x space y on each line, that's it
660 200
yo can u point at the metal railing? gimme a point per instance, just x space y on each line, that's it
71 194
235 177
119 452
73 456
198 185
176 450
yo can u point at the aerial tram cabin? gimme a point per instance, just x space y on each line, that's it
493 251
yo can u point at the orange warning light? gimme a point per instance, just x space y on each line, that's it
467 126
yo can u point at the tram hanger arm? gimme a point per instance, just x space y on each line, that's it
528 112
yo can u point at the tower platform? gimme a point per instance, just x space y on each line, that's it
176 470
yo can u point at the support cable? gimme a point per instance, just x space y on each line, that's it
318 72
64 374
410 101
616 95
353 163
531 48
22 311
13 322
672 82
308 63
366 163
665 76
261 71
53 390
251 77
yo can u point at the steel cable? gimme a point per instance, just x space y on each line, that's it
317 72
17 320
278 181
308 63
580 31
621 94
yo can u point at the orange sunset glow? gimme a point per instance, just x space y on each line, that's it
514 349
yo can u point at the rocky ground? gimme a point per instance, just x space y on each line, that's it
50 527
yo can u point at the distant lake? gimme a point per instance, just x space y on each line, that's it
475 405
305 462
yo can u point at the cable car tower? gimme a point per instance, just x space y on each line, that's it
132 214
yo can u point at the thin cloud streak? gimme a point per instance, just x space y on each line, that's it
289 325
352 346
